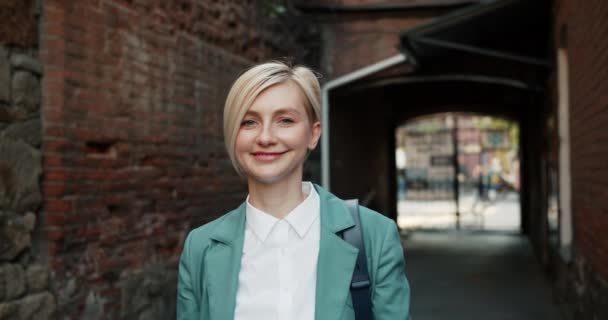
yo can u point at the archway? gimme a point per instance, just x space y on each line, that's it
363 163
458 171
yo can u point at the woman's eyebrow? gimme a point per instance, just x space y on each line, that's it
252 113
287 110
278 111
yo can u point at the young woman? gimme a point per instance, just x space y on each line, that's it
280 255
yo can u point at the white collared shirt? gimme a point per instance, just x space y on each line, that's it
279 263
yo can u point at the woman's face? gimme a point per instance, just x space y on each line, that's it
275 135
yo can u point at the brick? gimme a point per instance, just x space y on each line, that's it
54 218
52 205
56 234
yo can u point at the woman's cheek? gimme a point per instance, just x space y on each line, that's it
245 136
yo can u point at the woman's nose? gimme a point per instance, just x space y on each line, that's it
266 136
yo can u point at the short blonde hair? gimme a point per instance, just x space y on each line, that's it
257 79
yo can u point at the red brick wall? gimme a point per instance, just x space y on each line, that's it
580 284
587 46
356 42
132 137
360 35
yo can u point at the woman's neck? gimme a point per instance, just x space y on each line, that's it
276 199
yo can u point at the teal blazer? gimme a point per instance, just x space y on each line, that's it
211 260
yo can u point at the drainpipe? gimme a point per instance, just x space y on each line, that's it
338 82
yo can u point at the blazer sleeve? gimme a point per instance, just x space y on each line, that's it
187 304
391 295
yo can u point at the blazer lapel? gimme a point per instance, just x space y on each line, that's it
336 258
223 264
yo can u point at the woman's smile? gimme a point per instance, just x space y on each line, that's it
267 156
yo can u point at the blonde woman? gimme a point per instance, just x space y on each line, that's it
279 255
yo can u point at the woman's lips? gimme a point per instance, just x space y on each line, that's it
267 156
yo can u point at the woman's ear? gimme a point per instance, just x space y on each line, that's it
316 134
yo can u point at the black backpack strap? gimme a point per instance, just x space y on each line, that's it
360 284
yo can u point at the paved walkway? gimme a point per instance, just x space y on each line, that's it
469 276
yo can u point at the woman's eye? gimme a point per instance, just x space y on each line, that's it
247 123
286 121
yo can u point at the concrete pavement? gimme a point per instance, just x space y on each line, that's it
476 275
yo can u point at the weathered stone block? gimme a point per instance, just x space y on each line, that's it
27 131
5 75
94 306
40 306
149 294
25 92
9 311
19 25
20 169
37 278
67 297
12 281
5 116
15 236
25 62
29 221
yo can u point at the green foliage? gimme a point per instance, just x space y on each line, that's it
494 123
427 125
272 8
438 122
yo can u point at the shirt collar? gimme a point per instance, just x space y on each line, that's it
303 216
300 218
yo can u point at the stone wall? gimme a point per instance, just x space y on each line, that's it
19 25
24 273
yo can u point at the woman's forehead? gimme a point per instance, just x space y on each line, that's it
284 96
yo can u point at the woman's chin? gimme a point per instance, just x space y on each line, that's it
264 179
273 177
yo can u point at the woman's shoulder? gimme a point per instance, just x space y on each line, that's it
375 223
374 217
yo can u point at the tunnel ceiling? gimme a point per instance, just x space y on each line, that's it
488 58
497 31
411 96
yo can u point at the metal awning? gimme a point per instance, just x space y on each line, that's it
506 38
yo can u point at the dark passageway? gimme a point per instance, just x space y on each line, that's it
532 62
476 275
